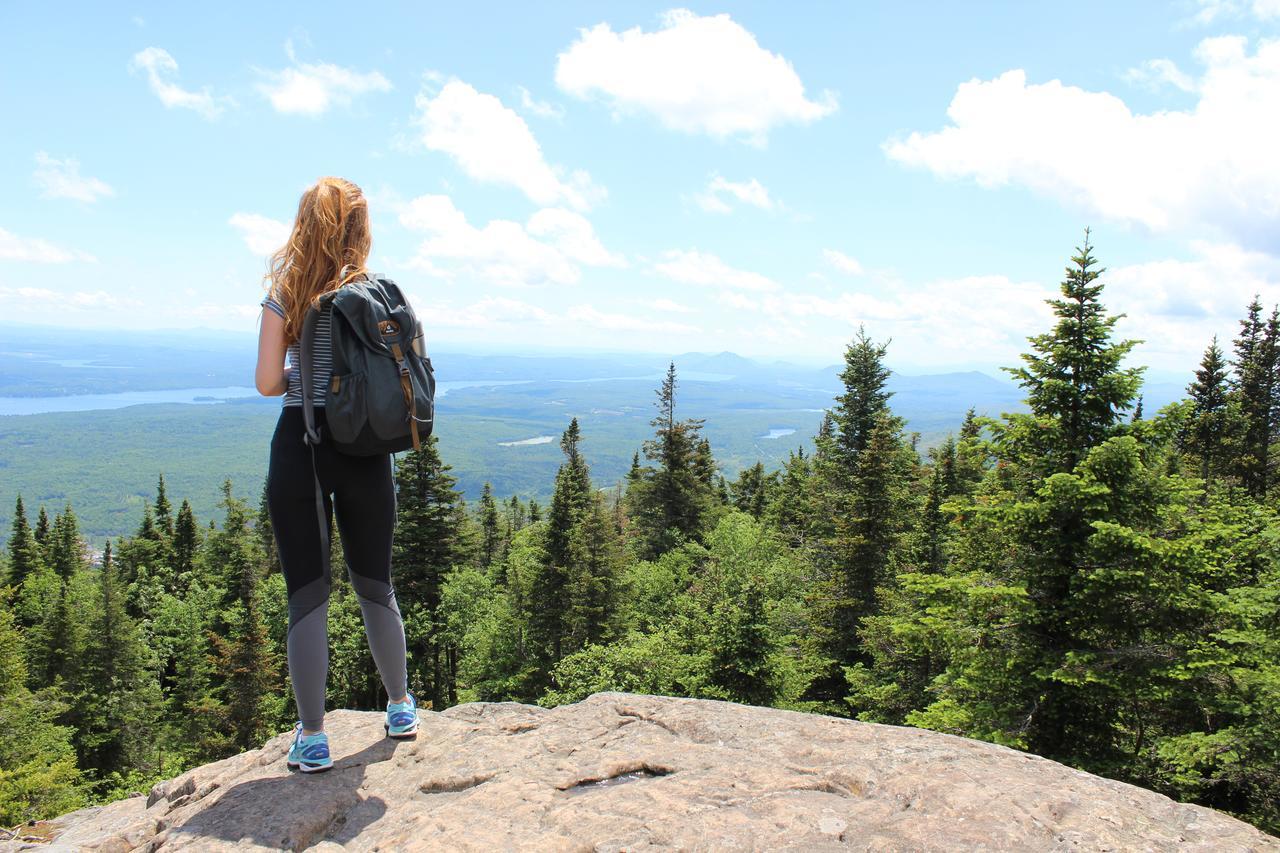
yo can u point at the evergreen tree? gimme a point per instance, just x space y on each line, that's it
43 532
66 548
753 489
1208 427
118 699
266 534
671 504
930 555
1254 389
38 774
517 517
247 664
148 530
186 541
535 512
428 544
790 508
164 511
549 595
1073 379
863 400
595 563
742 650
490 534
24 551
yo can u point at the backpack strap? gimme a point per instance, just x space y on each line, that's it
312 437
406 386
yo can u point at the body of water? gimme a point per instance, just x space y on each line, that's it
90 402
778 433
199 396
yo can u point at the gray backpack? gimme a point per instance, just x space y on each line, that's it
381 398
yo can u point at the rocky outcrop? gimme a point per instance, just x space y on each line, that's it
619 772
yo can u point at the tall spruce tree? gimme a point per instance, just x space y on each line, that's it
428 543
1073 379
549 594
164 511
861 402
1209 421
118 698
490 531
24 551
671 503
247 663
43 532
186 542
595 566
1255 391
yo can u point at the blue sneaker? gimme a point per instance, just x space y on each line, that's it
309 753
402 718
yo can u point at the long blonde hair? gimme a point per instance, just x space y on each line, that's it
328 247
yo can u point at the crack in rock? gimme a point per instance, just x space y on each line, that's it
453 784
630 771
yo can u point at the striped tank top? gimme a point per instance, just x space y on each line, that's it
323 358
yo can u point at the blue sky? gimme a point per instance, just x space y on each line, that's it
756 177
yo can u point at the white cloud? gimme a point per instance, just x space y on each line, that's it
548 249
158 64
22 299
696 75
1154 73
262 234
842 262
488 313
751 192
672 307
1212 10
541 109
312 88
1176 306
624 322
15 248
695 267
492 144
62 179
1211 165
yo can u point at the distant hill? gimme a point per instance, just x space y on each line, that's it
107 464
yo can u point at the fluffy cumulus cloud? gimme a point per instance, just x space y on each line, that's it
262 234
550 248
34 250
1213 164
312 88
159 68
541 109
721 194
491 143
695 74
690 266
1177 306
1212 10
840 261
62 179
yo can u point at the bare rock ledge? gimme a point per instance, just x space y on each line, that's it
619 771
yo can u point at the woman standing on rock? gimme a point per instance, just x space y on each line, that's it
327 248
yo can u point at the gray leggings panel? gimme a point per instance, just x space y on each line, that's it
308 642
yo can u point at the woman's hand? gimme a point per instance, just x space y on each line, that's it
271 376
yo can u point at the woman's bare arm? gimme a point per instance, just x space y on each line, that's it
271 376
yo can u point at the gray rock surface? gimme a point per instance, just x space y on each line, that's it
619 772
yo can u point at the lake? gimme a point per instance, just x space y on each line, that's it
197 396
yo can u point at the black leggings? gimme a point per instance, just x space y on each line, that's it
360 490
